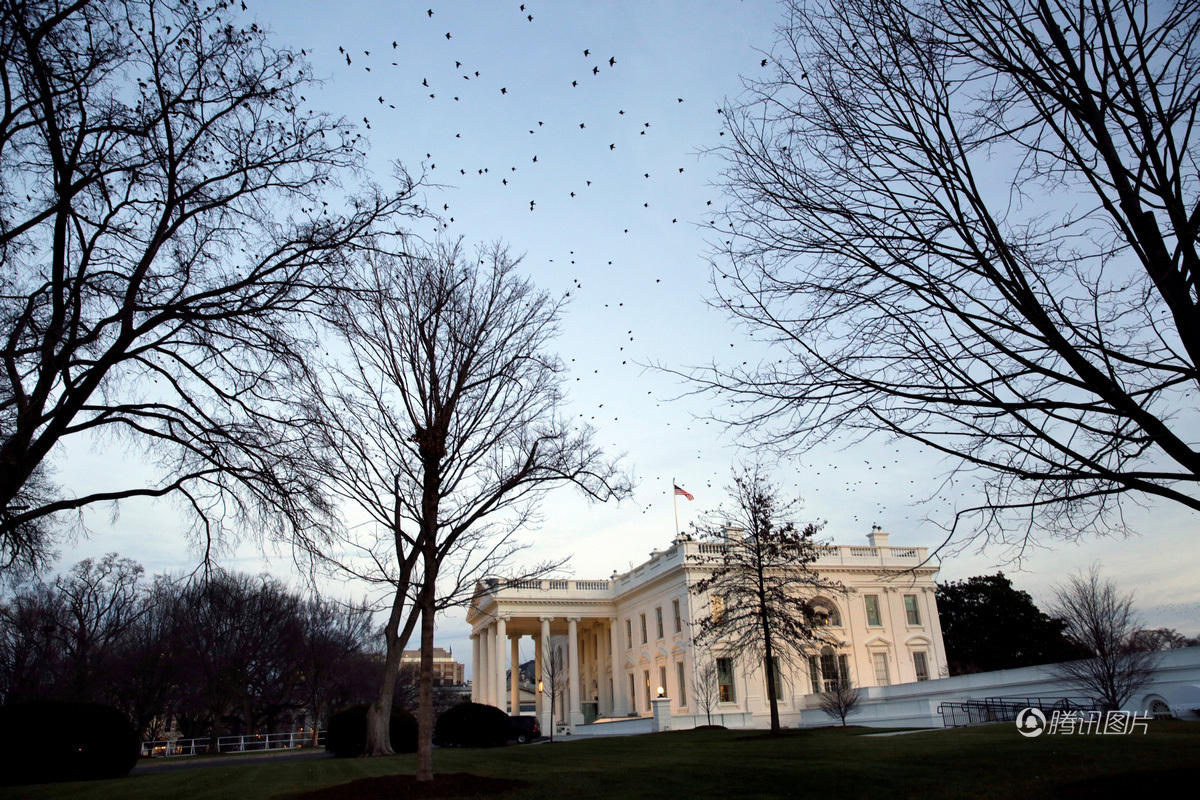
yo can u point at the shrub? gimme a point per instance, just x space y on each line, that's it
61 741
471 725
346 733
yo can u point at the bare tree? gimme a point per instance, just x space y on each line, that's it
706 690
1160 639
972 225
760 583
168 210
1101 619
554 683
442 423
841 700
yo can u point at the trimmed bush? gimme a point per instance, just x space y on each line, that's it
471 725
346 734
59 741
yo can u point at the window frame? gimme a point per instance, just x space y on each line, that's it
867 603
912 613
724 696
678 618
628 633
658 621
643 618
923 666
879 657
682 678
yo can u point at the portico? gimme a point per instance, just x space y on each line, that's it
502 615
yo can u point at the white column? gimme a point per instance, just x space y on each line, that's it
602 666
546 710
501 640
620 702
475 673
514 700
574 713
493 657
485 660
537 678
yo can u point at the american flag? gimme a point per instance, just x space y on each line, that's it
683 492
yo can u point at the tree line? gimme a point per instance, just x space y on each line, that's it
233 653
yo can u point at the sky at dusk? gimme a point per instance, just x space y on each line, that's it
584 140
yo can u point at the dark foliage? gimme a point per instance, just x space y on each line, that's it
471 725
235 654
346 734
64 741
989 625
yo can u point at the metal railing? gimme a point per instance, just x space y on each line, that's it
241 743
1005 709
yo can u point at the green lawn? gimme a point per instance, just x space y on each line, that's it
984 762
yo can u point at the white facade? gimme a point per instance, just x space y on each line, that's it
625 637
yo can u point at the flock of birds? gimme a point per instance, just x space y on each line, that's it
607 400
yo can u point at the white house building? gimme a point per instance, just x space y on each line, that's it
625 637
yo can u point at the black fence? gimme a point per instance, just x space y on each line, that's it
1005 709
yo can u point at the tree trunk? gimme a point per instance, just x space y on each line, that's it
379 715
425 691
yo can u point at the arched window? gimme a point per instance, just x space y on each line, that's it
823 613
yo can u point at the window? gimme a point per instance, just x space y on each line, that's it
834 669
873 618
822 614
921 665
662 679
718 609
632 692
681 691
646 678
628 634
881 668
678 620
643 616
911 610
814 672
658 621
777 675
725 680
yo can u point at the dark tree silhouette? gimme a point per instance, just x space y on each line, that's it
989 625
1101 619
973 225
442 423
760 580
841 700
167 209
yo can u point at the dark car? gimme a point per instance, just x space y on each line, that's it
523 729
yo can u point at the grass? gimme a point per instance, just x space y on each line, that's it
981 762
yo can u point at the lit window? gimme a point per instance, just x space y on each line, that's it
658 621
822 613
873 616
718 609
725 680
910 609
678 620
921 665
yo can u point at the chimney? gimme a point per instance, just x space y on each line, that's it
877 537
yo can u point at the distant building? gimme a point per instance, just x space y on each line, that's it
446 671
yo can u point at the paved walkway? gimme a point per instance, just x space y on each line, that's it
146 766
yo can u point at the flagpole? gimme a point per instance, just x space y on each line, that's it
675 503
